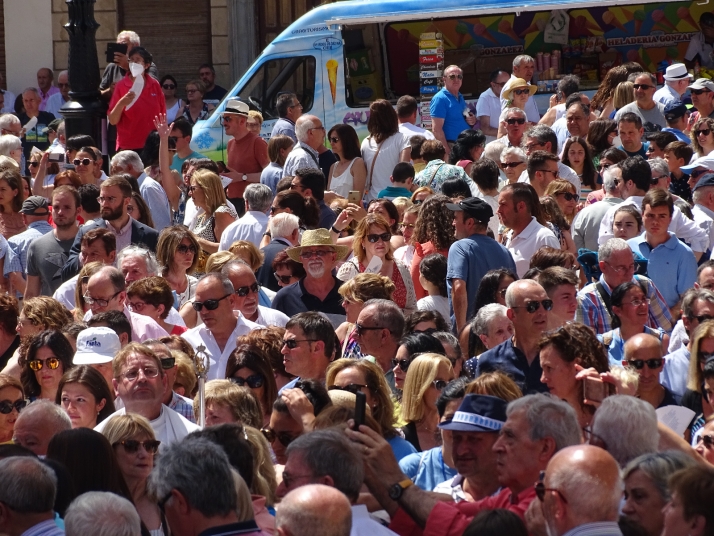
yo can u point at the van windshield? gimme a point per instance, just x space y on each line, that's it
277 76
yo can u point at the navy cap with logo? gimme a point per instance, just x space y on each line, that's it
478 413
474 207
674 109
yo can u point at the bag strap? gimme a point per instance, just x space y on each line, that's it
605 297
431 181
371 170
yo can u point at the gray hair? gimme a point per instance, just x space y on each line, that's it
128 159
7 121
259 197
183 466
658 467
388 315
606 250
32 90
152 265
514 110
692 296
515 151
628 426
65 72
543 134
486 315
512 291
283 225
608 179
303 125
548 417
48 413
523 58
132 36
103 514
222 279
634 76
314 509
27 485
658 165
444 337
329 452
9 142
61 129
700 193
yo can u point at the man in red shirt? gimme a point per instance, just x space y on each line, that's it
537 427
247 153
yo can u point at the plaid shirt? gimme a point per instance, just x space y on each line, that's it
592 311
183 406
20 243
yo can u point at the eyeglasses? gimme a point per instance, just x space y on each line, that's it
642 86
655 180
359 329
319 253
33 164
699 91
521 91
192 189
101 303
183 248
61 85
639 364
334 140
243 291
403 364
321 127
210 305
708 440
6 406
254 381
189 91
506 165
533 306
169 86
83 161
439 384
637 303
455 77
227 119
702 318
591 438
407 225
568 196
298 105
162 503
109 199
703 132
555 173
271 435
132 446
514 121
137 307
374 238
603 167
284 279
168 362
293 343
132 375
622 269
353 388
173 139
540 490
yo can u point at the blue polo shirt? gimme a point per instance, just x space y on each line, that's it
447 107
671 266
469 259
510 360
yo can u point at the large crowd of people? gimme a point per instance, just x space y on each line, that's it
526 311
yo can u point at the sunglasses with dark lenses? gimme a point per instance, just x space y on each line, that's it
403 364
254 382
569 197
51 363
353 388
702 318
540 490
168 362
374 238
639 364
455 77
132 445
293 343
271 435
6 406
603 167
642 86
514 121
521 91
360 329
182 248
708 440
83 161
210 305
439 384
698 91
169 86
33 164
243 291
506 165
284 279
533 306
704 357
655 180
334 140
703 132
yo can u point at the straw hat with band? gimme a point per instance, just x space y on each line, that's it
236 107
315 238
518 83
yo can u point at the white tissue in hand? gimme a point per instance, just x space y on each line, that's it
30 124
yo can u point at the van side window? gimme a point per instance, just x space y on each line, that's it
281 75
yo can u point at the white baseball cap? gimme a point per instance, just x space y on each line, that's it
96 346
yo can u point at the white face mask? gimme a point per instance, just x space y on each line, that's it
136 69
616 141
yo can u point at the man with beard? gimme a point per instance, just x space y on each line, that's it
47 255
115 195
317 291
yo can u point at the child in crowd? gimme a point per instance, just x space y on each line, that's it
401 179
432 276
678 154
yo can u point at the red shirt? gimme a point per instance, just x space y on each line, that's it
137 122
421 251
246 155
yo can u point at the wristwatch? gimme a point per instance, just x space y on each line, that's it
245 177
395 491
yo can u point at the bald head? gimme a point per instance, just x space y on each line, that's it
38 423
522 295
589 488
643 346
314 509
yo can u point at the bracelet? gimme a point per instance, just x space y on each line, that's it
335 230
267 233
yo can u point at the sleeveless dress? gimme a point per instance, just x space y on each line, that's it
342 184
172 112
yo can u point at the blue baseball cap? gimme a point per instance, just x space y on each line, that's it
478 413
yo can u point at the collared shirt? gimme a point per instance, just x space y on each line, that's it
20 243
250 227
45 97
592 311
295 299
705 219
182 406
451 109
489 104
675 373
666 94
452 487
302 156
410 129
671 266
285 127
427 469
364 525
46 528
271 317
54 103
122 235
201 335
511 360
248 528
143 327
600 528
524 245
155 196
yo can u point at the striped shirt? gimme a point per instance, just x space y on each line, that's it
183 406
46 528
600 528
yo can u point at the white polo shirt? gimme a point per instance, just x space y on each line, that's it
530 240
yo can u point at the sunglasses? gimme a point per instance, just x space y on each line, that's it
506 165
243 291
514 121
83 161
642 86
639 364
703 132
702 318
705 356
33 164
455 77
360 329
169 86
210 305
293 343
533 306
403 364
521 91
334 140
168 362
284 279
417 202
374 238
708 440
271 435
353 388
439 384
655 180
699 91
6 406
603 167
540 490
254 382
569 197
182 248
132 445
319 253
51 363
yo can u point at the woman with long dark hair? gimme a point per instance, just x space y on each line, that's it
85 396
576 154
49 356
349 172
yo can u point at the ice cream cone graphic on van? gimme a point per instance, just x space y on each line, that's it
332 76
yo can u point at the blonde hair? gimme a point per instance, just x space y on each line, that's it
46 312
623 95
696 375
256 115
419 191
121 427
212 188
247 251
362 231
134 348
88 270
185 373
217 260
495 384
363 287
422 372
241 401
244 505
402 203
265 482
